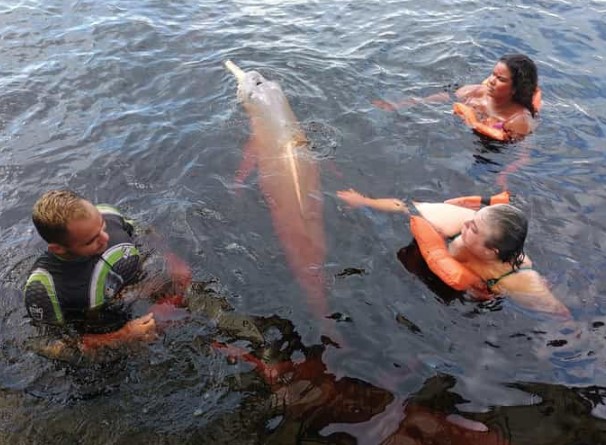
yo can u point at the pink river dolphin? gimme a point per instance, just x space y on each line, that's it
289 180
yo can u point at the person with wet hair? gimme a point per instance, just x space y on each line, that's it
503 107
489 242
91 256
510 228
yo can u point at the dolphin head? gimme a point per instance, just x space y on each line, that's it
255 91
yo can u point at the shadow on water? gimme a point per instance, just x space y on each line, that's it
221 376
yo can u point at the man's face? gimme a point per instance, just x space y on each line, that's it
86 236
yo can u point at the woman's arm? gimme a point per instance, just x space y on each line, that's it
463 93
529 289
393 106
469 91
448 219
519 125
355 199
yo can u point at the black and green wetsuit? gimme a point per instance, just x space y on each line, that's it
59 291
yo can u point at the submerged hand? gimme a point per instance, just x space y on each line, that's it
142 328
384 105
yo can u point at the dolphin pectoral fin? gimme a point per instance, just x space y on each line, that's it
249 161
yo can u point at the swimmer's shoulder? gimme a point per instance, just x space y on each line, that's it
471 91
520 123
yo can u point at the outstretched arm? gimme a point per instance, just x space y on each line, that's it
463 93
393 106
469 91
448 219
355 199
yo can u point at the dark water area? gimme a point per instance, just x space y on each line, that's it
129 103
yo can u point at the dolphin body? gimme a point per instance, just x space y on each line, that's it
288 177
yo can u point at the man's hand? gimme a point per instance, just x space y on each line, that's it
142 328
139 329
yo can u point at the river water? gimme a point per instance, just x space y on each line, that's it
129 103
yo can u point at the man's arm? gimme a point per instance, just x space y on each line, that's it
177 269
41 301
72 349
139 329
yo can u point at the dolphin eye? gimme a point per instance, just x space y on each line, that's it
259 82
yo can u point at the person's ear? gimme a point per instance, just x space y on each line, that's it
57 249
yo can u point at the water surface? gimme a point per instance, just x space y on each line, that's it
128 103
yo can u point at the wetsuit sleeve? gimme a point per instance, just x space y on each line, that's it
127 224
41 299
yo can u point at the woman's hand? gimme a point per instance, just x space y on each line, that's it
466 112
353 198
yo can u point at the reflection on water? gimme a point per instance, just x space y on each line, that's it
129 104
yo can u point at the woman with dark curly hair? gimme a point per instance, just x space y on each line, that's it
503 107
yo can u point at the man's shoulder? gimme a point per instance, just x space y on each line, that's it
39 274
107 209
50 271
113 213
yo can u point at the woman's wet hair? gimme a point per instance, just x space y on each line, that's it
510 227
524 79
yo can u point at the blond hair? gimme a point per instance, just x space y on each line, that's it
54 210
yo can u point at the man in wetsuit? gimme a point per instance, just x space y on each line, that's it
90 258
